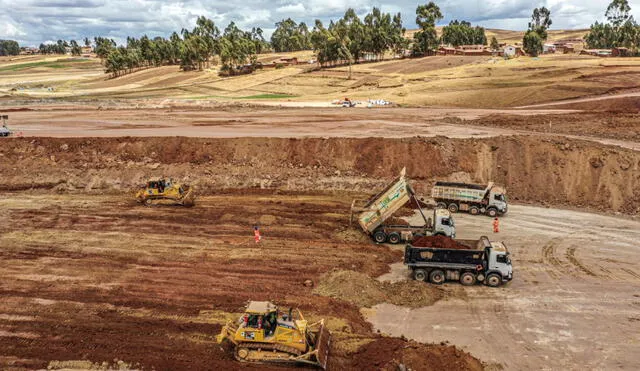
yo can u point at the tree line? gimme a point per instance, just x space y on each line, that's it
620 30
9 47
191 49
61 46
347 40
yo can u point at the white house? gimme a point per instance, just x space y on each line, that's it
512 51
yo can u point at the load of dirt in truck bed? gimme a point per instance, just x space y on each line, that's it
391 354
365 291
440 242
394 220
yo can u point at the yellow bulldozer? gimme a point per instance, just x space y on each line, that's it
166 189
263 334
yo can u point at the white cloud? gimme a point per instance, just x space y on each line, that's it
32 21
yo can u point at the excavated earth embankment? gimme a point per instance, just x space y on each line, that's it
553 171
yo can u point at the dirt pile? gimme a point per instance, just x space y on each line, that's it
440 242
551 171
394 220
365 291
391 354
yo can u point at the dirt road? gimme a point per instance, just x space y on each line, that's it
216 121
574 302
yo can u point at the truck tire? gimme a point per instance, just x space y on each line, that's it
492 212
420 275
394 238
437 277
473 210
493 280
468 279
453 208
441 205
380 237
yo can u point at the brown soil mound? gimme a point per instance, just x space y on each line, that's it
364 291
584 174
440 242
393 353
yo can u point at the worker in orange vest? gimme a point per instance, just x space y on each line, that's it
256 234
496 225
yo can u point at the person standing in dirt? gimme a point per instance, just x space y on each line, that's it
256 234
496 225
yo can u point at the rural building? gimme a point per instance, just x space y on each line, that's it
513 51
87 50
446 50
620 52
26 50
548 48
289 61
597 52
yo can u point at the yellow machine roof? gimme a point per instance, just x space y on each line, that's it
259 307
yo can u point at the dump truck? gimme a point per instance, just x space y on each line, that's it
439 259
4 130
475 199
264 334
165 189
376 213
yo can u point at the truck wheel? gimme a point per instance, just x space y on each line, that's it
394 238
379 237
493 280
419 275
492 212
441 205
453 208
473 210
437 277
468 279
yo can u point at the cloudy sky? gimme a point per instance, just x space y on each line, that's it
31 22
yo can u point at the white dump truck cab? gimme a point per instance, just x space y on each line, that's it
499 268
444 223
498 200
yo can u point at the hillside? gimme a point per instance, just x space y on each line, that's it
475 82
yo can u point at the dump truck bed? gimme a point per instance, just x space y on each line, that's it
460 191
384 204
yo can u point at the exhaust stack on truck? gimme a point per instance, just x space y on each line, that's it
476 199
373 216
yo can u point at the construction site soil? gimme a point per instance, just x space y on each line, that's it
544 170
95 280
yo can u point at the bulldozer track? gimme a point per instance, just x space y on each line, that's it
279 347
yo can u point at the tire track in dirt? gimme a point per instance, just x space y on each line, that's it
570 255
555 268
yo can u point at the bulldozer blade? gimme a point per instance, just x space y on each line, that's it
188 199
323 344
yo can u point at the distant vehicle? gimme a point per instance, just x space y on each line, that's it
4 130
376 213
439 259
476 199
348 103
